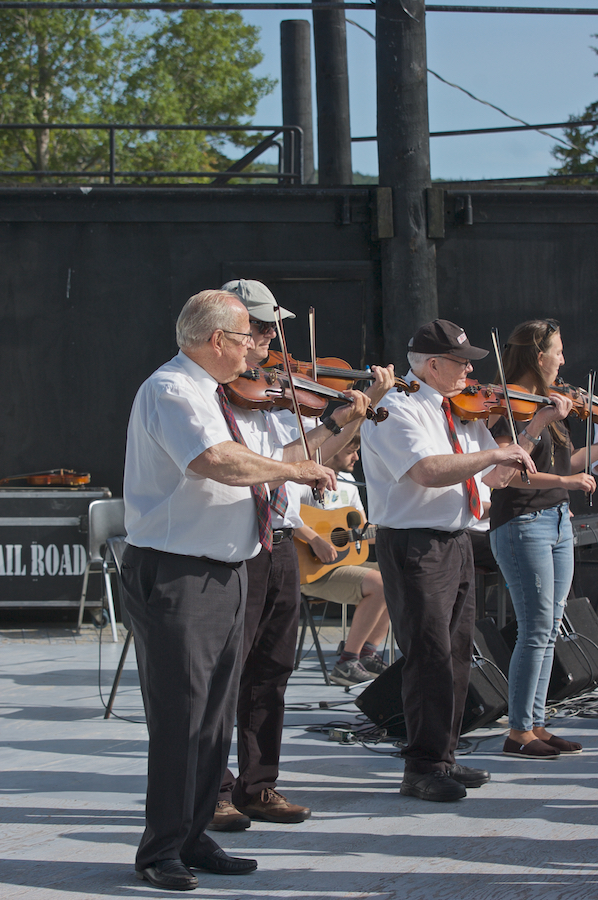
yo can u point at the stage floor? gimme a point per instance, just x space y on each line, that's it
72 795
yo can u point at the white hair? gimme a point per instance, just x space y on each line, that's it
203 314
417 360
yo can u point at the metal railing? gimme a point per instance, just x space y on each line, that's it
291 133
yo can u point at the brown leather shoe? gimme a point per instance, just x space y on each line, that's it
270 806
228 818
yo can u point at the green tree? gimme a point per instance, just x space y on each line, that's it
580 157
185 68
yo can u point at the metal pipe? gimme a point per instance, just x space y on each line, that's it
295 51
112 156
332 91
579 124
409 295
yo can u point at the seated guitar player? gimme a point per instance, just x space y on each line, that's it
359 585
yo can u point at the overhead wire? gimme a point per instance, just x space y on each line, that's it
568 144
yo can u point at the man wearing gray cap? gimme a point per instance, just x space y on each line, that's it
423 471
272 610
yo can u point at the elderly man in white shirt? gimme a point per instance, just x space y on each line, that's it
422 471
196 508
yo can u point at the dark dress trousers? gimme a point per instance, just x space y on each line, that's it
429 585
187 618
270 637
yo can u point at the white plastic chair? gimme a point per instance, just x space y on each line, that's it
106 519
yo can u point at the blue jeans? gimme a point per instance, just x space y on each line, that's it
535 555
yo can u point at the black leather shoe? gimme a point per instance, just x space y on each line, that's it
470 778
221 863
170 874
432 786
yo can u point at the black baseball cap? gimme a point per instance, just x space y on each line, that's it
442 336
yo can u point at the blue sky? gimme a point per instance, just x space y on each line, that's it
538 68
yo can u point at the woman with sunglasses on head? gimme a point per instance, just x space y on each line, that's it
532 538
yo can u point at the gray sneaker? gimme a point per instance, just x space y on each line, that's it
350 672
373 664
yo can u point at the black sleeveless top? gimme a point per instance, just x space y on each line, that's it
549 457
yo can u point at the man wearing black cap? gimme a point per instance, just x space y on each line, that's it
423 471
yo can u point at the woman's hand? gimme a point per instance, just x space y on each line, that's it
560 407
580 482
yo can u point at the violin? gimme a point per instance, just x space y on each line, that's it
479 401
334 373
52 477
260 389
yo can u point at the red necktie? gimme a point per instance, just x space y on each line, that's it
279 501
472 488
260 494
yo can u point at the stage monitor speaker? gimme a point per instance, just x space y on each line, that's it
489 643
382 703
486 698
488 694
575 666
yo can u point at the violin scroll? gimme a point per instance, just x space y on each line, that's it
407 387
580 398
378 415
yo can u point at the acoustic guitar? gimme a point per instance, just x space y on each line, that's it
340 527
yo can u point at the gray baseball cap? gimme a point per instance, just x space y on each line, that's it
259 300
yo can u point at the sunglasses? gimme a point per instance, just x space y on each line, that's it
263 327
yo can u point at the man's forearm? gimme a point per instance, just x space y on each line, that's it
451 468
238 466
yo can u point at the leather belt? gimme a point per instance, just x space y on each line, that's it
437 532
279 534
220 562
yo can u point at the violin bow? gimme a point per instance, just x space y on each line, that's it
287 365
590 428
503 381
311 320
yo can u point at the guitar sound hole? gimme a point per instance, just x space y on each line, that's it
339 537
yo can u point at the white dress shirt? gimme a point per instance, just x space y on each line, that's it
263 435
415 429
176 416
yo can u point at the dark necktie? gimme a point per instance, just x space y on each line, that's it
260 494
472 488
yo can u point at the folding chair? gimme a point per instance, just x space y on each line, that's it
306 601
106 519
112 565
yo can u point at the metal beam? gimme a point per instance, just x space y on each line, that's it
579 124
176 7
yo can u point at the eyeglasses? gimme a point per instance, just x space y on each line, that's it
263 327
464 363
246 337
551 326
